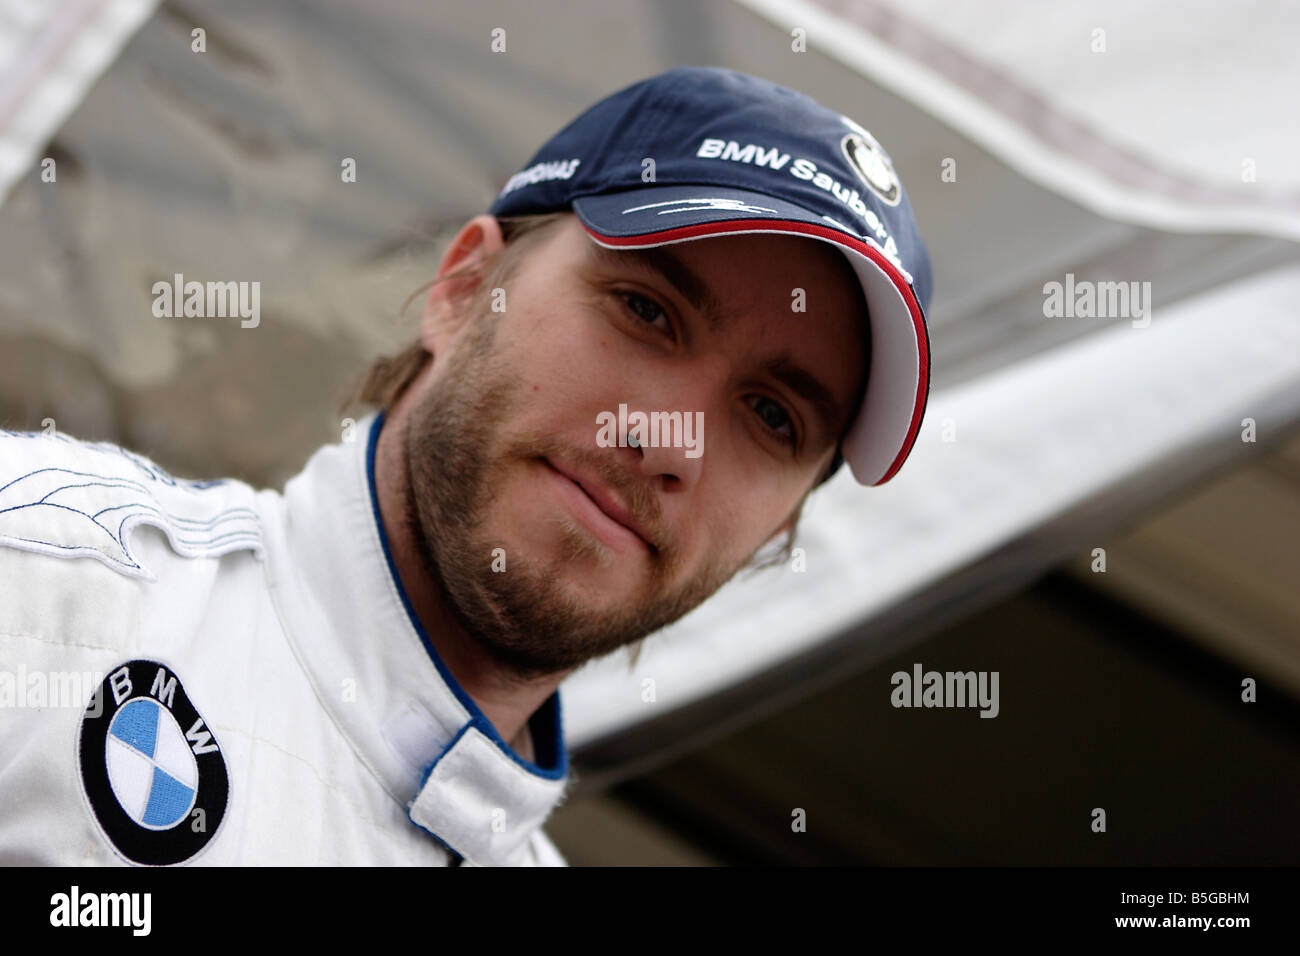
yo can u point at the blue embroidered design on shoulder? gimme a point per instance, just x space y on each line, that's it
68 513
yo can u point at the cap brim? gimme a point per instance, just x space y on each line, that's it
898 382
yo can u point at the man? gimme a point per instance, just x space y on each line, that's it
601 422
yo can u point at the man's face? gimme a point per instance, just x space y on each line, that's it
553 548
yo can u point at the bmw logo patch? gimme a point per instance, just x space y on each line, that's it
871 163
152 770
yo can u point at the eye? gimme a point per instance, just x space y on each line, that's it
776 418
647 310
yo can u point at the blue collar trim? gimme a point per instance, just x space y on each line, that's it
546 725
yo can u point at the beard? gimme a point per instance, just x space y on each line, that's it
523 617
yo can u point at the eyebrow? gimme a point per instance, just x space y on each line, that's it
665 264
696 291
809 387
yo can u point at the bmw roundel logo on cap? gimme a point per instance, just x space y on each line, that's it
152 770
871 163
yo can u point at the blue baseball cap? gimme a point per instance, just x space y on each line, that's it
736 154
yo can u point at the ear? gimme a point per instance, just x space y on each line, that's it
478 240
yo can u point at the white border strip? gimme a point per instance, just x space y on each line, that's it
68 48
1017 146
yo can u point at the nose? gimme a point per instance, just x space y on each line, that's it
667 446
678 404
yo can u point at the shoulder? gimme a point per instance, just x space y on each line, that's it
72 499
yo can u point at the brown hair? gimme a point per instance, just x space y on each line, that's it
387 377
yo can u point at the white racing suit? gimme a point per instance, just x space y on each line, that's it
202 672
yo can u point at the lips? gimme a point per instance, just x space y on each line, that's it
607 502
